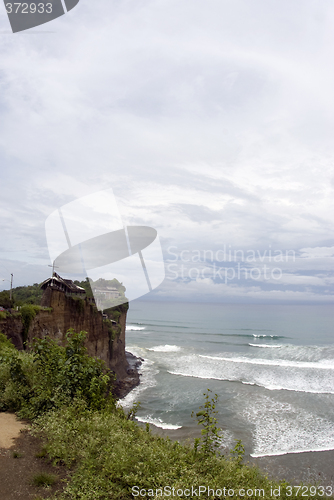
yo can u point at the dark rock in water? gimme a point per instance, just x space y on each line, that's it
125 385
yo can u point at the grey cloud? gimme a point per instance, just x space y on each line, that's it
212 122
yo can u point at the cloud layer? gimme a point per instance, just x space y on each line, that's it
212 122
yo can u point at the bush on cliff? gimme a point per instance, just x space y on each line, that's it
51 376
15 376
5 300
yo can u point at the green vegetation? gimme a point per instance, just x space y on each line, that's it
27 295
212 437
116 311
102 284
5 300
86 285
32 294
44 479
28 312
5 346
3 314
42 453
65 393
50 376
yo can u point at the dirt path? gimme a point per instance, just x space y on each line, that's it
19 463
10 428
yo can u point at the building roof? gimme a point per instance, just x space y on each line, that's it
62 284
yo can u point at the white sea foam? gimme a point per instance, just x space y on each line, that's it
165 348
324 365
281 428
263 336
227 439
157 422
148 373
278 453
130 328
272 374
264 345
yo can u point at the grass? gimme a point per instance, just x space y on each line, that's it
108 455
42 453
44 479
17 454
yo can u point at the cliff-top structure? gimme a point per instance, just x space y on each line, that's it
63 285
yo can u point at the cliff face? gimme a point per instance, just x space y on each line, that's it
12 327
104 340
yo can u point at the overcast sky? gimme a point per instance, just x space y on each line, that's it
213 122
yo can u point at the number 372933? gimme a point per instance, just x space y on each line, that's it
32 8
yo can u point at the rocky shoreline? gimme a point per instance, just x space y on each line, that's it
125 385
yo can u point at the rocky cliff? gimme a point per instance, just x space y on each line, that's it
12 327
105 336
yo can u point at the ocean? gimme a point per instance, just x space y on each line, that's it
272 367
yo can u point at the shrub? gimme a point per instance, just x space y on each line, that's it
5 343
65 373
51 376
238 452
212 438
5 300
15 376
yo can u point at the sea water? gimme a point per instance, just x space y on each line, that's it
271 365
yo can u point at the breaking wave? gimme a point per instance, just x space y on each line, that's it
165 348
271 373
264 345
157 422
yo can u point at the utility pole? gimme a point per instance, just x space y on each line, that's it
11 287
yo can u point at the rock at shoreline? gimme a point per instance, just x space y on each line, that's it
126 384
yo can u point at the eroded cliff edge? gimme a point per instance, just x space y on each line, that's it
105 333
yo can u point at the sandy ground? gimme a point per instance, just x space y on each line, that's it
21 460
10 428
